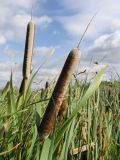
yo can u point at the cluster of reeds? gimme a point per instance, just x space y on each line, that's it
78 120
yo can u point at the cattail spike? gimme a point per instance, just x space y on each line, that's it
58 95
27 62
28 49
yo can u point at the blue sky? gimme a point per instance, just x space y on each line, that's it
59 26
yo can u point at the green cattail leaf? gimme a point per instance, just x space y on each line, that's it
38 119
30 151
65 147
45 149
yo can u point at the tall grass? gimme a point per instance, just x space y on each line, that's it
99 110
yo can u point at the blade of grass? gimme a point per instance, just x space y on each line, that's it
45 149
30 151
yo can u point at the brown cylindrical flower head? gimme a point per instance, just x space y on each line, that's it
58 95
28 49
27 62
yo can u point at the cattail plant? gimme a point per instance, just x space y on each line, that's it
27 62
58 95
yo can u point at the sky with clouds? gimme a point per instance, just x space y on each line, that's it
59 26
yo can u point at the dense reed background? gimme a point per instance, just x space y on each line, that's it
96 126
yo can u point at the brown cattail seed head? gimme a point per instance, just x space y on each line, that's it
59 92
27 62
28 49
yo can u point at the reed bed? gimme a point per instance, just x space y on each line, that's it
76 121
101 114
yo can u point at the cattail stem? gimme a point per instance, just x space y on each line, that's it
27 62
58 95
86 29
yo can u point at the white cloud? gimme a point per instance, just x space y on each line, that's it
48 73
20 22
107 19
2 40
43 21
43 50
103 35
105 47
91 5
27 4
14 17
75 25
